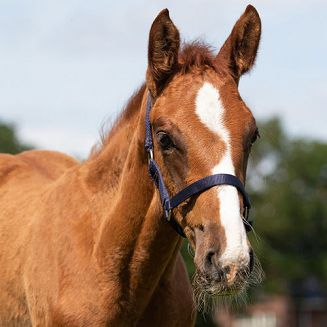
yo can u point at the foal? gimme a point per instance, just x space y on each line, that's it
87 244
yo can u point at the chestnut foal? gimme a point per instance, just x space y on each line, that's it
88 244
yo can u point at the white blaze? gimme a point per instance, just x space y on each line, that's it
210 111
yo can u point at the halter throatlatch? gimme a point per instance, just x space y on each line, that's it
169 203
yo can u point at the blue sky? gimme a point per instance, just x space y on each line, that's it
68 66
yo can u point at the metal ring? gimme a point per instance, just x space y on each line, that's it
150 155
168 214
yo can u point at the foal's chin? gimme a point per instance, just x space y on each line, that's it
210 292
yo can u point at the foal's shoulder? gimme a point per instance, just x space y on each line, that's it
48 158
8 163
50 163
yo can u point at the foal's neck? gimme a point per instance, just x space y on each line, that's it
133 239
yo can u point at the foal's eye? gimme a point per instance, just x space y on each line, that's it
165 140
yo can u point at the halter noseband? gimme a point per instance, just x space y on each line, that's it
197 187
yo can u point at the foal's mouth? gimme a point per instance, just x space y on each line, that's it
214 287
209 290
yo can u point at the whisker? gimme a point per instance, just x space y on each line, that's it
190 250
257 237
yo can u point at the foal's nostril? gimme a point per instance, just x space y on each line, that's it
209 258
226 270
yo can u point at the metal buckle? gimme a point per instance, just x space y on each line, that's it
150 155
165 205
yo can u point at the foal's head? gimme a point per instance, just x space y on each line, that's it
202 127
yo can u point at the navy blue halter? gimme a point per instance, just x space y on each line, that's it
197 187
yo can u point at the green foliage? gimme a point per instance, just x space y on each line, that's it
291 214
9 142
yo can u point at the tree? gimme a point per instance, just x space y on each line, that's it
291 210
9 142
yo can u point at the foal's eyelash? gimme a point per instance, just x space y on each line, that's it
255 136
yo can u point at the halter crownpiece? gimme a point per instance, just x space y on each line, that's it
201 185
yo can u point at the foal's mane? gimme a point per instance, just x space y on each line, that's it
195 55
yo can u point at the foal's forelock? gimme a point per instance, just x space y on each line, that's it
210 111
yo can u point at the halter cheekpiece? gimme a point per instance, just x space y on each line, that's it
169 203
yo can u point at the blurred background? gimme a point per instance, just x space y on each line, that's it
68 67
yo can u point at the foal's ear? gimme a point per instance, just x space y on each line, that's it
162 52
240 49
